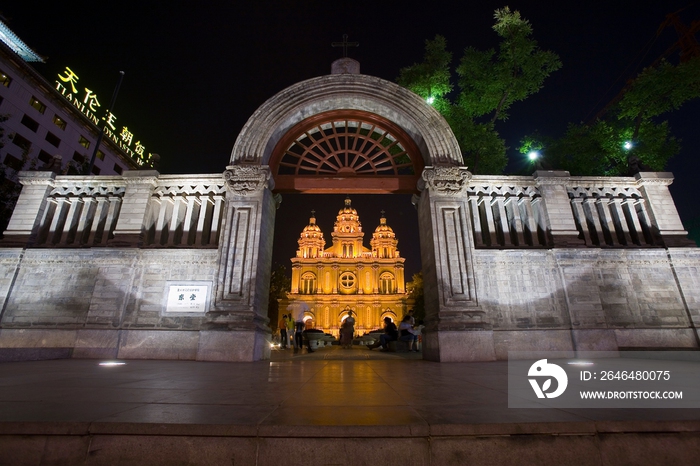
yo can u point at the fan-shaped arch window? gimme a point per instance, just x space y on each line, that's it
352 146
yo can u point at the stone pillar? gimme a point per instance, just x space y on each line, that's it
135 208
662 211
30 207
237 326
559 218
456 327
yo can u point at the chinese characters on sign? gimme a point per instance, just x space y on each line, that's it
88 105
187 298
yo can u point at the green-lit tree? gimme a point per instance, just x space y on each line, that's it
490 82
632 135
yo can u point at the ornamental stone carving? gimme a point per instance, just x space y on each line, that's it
246 180
445 180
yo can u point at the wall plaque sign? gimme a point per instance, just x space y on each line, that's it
187 297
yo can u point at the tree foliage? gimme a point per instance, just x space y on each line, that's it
490 82
415 291
632 135
280 284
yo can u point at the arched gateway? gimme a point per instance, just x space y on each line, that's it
351 133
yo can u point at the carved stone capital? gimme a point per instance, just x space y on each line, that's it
37 178
246 180
445 180
654 178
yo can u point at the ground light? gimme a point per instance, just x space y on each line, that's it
628 145
580 363
533 155
430 100
111 363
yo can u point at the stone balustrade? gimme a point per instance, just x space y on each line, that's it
138 209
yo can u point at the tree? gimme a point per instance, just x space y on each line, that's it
490 83
280 284
631 135
415 291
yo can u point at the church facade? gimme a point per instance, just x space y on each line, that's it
347 276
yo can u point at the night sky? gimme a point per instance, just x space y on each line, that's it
194 75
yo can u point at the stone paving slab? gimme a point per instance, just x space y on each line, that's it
350 410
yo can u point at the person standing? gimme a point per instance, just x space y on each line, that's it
283 332
347 331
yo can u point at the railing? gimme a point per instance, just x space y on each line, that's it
506 215
185 211
80 212
608 215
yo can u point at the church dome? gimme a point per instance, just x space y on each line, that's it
383 230
347 220
311 240
384 241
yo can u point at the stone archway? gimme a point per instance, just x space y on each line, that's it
443 212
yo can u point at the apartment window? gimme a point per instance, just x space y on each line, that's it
5 80
13 162
95 170
118 169
22 142
78 157
100 155
34 102
84 142
60 122
53 139
30 123
44 156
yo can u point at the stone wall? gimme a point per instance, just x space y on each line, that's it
94 299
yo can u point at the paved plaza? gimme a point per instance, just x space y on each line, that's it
334 406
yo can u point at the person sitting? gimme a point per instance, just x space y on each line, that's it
391 333
406 333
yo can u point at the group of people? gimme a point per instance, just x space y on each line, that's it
406 331
294 329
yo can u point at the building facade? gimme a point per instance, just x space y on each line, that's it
347 276
45 126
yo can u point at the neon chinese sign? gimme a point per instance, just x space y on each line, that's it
88 105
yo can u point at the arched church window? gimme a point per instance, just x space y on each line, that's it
387 283
308 283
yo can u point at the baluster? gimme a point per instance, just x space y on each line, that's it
486 205
84 220
580 216
68 233
476 221
97 219
593 215
187 225
216 219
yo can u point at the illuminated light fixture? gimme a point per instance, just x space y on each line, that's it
10 39
628 145
580 363
430 100
111 363
533 155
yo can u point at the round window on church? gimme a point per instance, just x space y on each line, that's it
347 281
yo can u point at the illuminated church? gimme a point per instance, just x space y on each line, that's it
348 276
